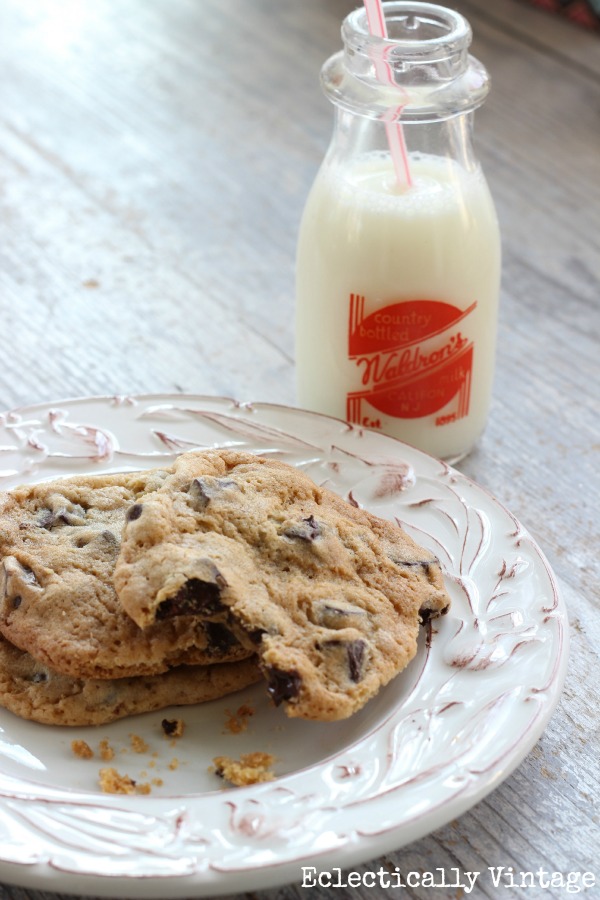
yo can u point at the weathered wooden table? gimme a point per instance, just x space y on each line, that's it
155 159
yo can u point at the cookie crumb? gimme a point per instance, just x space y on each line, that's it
112 782
82 749
237 721
138 744
173 728
251 768
174 764
106 751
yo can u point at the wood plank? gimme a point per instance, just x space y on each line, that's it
570 45
155 161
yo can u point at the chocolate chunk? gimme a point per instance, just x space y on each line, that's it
12 576
204 488
28 575
172 727
134 512
49 518
220 637
195 597
331 614
425 615
199 493
39 677
256 635
356 658
425 564
282 685
306 530
45 518
103 539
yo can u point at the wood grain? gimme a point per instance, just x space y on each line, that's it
155 158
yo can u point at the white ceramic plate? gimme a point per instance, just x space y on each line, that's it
434 742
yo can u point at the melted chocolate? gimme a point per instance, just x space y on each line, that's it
282 685
195 597
425 615
220 637
256 635
169 726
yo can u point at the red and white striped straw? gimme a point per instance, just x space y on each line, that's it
376 18
393 126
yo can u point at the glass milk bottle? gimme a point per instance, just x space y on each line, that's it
398 277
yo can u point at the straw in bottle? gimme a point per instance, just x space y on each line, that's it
393 126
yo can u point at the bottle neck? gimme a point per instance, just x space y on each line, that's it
422 64
357 136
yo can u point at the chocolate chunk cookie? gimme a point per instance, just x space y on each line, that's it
328 595
33 691
59 542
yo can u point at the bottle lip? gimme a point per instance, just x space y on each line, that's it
429 75
434 28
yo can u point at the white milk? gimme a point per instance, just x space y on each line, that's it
397 297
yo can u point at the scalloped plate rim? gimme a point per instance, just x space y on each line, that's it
211 880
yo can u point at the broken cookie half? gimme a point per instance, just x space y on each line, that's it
329 597
59 542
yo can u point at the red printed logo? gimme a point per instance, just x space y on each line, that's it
413 357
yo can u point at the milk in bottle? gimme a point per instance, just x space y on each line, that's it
397 284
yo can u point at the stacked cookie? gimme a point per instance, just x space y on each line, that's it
69 653
125 593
